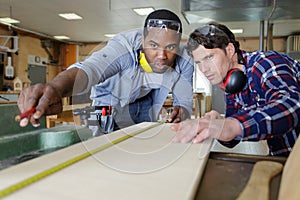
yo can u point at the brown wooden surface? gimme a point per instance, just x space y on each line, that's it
258 186
8 102
290 181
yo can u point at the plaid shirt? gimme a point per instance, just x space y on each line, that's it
269 105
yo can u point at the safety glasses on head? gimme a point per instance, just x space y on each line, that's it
211 30
164 24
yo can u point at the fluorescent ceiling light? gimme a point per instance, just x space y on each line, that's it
109 35
70 16
204 20
143 11
9 20
61 37
238 30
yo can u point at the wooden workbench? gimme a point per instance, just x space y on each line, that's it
11 95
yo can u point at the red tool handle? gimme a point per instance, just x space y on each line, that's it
103 111
25 114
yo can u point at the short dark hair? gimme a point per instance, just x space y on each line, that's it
162 14
212 35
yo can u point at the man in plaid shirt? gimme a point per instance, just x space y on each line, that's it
261 89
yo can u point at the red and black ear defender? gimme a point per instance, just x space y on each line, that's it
235 79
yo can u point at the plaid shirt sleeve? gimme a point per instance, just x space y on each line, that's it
270 106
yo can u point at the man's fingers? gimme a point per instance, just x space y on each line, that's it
177 120
26 101
55 108
174 113
178 114
29 97
42 106
175 127
44 98
35 122
24 122
201 136
185 131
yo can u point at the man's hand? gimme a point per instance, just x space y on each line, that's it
45 98
213 115
178 114
198 130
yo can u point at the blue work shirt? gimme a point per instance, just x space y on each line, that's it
117 79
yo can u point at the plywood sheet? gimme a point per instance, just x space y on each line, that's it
147 166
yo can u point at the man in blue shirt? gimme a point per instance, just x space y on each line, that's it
133 73
262 91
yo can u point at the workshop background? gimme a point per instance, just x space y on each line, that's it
265 25
41 43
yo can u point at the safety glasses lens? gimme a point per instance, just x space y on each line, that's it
164 24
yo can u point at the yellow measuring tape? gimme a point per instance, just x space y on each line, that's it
43 174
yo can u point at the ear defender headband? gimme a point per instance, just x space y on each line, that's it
235 79
144 64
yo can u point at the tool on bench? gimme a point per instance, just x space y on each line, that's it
105 118
1 97
100 117
84 114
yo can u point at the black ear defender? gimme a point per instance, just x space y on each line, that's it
235 79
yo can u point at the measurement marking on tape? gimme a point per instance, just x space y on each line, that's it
17 186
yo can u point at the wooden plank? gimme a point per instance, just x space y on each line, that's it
290 180
147 166
258 186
